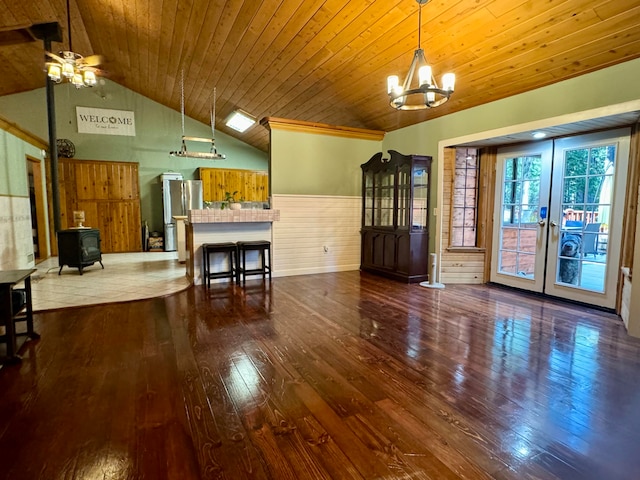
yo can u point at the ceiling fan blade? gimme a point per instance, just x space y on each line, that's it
91 60
55 57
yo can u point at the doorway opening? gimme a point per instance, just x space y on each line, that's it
37 204
558 216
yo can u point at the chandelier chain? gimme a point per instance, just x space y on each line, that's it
419 24
213 114
182 99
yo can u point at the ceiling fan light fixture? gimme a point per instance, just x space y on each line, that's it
77 80
89 78
67 70
423 92
55 72
240 121
69 65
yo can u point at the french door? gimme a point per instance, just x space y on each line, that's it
558 216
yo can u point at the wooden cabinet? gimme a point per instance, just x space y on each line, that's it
395 216
108 193
251 185
79 248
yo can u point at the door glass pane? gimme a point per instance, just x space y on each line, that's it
404 187
383 195
520 207
586 206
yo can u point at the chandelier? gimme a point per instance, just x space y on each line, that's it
71 66
425 92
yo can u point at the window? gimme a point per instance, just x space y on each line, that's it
464 205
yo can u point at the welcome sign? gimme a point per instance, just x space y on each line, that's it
105 122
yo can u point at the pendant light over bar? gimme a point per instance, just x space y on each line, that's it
212 154
420 89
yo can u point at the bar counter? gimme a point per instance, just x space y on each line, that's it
214 226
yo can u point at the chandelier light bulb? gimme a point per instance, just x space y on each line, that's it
392 83
448 81
424 75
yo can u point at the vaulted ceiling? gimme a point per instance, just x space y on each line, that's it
323 61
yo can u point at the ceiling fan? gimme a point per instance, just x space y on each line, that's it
77 69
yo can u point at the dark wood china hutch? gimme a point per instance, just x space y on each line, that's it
395 216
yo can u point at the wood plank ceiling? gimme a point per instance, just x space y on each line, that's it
324 60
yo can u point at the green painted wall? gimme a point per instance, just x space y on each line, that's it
158 131
317 164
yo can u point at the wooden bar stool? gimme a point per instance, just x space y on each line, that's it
263 247
227 248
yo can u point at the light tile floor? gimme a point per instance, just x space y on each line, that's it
126 276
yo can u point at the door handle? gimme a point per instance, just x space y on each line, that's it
542 223
553 223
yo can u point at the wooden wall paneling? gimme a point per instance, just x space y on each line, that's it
128 221
117 226
124 184
123 225
101 173
631 199
104 222
630 219
116 189
488 158
91 217
108 192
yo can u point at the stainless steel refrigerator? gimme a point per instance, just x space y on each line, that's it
178 197
167 215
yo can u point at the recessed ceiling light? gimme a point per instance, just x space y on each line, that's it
539 134
240 121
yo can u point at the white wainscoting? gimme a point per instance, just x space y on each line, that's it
16 241
316 234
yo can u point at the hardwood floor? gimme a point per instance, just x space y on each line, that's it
332 376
